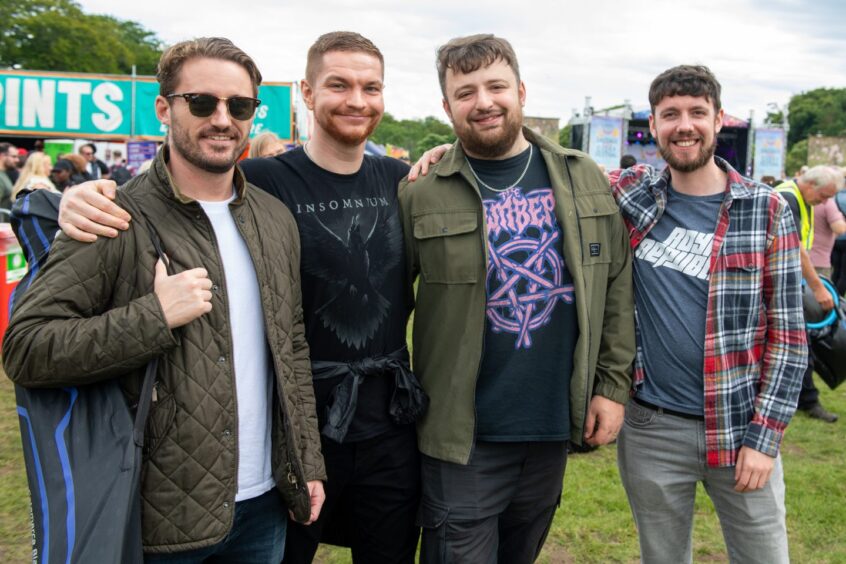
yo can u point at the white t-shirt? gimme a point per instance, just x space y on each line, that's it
251 355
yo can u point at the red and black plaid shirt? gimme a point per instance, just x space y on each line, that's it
755 344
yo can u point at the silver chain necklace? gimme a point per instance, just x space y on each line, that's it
516 182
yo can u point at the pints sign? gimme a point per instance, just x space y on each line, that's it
107 106
65 104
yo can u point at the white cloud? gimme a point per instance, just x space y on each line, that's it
608 49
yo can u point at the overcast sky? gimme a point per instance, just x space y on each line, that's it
762 51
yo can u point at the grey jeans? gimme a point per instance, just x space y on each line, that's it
661 458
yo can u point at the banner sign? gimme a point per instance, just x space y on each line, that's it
95 106
56 147
769 153
139 152
646 154
606 141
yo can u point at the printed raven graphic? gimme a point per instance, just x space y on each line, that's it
354 265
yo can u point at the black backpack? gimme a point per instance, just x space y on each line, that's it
121 175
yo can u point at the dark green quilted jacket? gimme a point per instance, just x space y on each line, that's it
91 315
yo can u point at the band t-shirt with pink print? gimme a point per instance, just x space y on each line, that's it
523 388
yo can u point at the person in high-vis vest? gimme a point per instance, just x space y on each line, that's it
812 187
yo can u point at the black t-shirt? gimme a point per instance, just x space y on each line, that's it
355 302
523 392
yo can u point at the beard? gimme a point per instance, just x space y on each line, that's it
492 143
347 136
703 158
217 162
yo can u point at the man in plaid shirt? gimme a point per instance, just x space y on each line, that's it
721 339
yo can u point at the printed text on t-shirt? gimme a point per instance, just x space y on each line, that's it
685 250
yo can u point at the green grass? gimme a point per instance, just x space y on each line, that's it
14 495
593 523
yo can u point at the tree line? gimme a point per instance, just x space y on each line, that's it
821 111
56 35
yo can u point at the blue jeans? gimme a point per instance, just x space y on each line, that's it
661 459
257 536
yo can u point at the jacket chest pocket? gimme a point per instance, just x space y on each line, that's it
449 246
741 273
596 212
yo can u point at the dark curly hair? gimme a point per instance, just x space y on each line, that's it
685 80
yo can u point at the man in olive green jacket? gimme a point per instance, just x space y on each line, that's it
232 439
523 328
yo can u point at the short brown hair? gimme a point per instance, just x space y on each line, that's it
469 54
685 80
167 71
349 41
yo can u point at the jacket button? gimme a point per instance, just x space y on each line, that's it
221 359
198 216
215 287
444 230
226 432
241 219
226 505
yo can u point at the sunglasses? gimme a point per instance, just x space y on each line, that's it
203 105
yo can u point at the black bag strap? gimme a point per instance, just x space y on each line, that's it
145 400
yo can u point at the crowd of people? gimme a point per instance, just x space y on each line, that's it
31 170
663 312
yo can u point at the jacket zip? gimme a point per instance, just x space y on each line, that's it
588 387
484 236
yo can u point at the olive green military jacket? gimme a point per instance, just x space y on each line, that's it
446 246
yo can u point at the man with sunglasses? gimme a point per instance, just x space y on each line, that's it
232 440
355 302
96 168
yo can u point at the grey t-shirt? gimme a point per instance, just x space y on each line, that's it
671 271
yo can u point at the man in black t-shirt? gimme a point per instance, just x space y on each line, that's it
356 305
354 294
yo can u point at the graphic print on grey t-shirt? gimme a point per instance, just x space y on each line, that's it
685 250
342 256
